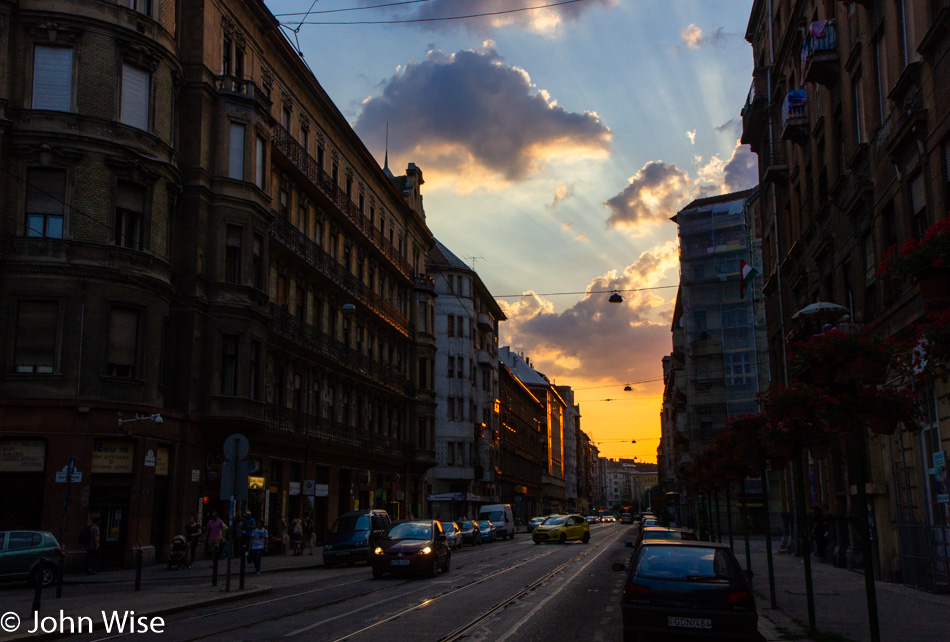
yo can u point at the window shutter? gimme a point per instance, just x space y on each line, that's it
236 154
917 199
45 191
123 334
52 78
36 336
259 175
134 107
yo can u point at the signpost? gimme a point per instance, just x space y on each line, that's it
70 474
234 471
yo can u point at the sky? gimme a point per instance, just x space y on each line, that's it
555 144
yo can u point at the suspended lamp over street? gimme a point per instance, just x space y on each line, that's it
615 298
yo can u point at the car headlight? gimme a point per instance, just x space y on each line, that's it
378 551
425 551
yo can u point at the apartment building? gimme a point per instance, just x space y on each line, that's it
197 244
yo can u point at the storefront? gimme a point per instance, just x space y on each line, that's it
22 478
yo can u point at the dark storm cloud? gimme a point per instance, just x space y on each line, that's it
472 109
653 195
742 170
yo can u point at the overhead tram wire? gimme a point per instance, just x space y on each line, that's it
434 19
326 11
515 296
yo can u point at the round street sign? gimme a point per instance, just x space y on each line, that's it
236 447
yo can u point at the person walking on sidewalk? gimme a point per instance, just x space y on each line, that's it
93 551
193 535
258 542
214 532
307 534
296 536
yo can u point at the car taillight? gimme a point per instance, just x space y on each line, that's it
740 598
636 592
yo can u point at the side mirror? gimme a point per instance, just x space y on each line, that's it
619 566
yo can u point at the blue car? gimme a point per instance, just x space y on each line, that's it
353 537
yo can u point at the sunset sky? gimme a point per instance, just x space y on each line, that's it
555 144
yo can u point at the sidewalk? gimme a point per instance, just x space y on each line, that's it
162 593
841 611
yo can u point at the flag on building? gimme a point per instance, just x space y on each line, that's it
746 274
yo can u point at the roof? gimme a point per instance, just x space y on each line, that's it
715 200
441 255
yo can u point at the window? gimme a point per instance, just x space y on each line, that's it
318 233
460 364
133 108
142 6
918 205
451 325
880 69
129 209
122 348
451 367
860 125
232 254
869 264
254 364
460 326
257 262
236 152
903 43
285 118
52 78
226 48
259 163
229 363
321 155
36 337
283 202
300 303
45 196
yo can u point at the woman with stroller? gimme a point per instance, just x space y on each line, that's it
193 535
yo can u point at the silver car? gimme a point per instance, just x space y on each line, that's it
33 556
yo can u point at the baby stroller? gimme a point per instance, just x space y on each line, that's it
178 555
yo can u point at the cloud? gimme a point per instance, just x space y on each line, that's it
658 190
733 126
545 21
619 341
692 36
654 194
691 134
471 118
561 194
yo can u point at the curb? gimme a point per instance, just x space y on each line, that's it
168 610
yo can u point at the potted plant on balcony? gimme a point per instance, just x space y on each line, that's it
845 354
928 260
930 352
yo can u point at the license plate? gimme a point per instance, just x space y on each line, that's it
399 562
689 622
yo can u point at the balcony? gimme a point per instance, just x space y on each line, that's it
308 166
289 236
242 88
755 110
820 53
290 327
485 322
795 116
334 433
773 162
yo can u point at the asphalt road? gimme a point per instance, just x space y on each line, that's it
508 590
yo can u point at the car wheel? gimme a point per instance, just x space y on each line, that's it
536 542
44 575
563 539
586 538
448 562
434 567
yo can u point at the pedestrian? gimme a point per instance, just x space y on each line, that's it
258 542
214 534
248 525
296 536
818 530
307 534
193 535
93 550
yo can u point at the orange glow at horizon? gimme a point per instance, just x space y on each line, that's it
633 415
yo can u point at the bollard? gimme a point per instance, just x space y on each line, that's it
59 578
243 565
214 569
37 594
138 570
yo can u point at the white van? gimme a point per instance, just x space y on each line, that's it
500 516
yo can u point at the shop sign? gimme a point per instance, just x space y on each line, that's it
308 487
150 458
942 477
255 483
22 455
161 461
112 457
321 490
294 488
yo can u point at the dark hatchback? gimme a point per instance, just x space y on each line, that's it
470 533
687 589
414 546
353 536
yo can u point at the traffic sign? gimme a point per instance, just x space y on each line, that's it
236 447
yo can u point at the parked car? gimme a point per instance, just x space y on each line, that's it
33 556
470 533
487 529
687 588
414 546
453 536
562 528
353 536
501 517
534 522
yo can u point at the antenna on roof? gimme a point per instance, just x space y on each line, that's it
473 259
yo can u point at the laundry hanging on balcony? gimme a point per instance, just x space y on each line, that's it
818 29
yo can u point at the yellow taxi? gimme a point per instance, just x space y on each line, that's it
561 528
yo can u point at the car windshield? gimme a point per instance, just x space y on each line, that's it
483 524
556 520
686 563
411 530
350 523
495 516
466 526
